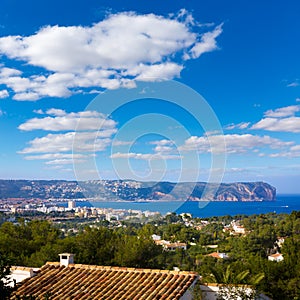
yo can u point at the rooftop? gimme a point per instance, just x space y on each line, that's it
276 255
218 255
78 281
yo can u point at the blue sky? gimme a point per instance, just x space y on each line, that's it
64 62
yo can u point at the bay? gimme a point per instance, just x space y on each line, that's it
283 204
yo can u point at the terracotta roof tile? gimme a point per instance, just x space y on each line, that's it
79 281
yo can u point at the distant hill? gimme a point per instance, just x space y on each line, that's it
136 191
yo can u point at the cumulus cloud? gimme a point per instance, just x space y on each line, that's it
242 125
8 72
163 150
57 112
291 124
64 142
86 133
282 119
56 156
163 71
295 148
3 94
59 120
283 111
163 147
235 143
112 53
39 112
117 143
292 152
207 43
163 142
64 161
142 156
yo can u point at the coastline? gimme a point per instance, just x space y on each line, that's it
282 204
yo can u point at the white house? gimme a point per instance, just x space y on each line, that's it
18 274
276 257
210 291
218 255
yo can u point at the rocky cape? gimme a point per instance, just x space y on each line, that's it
129 190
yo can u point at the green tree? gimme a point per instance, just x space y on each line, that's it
236 286
137 251
5 289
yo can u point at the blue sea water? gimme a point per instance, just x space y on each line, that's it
283 204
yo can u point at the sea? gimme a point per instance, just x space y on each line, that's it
282 204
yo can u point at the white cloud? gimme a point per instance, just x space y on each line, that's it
113 53
163 71
291 124
283 111
64 161
162 143
63 142
39 112
62 121
142 156
235 143
162 151
282 119
163 147
8 72
121 143
207 43
56 112
3 94
51 156
292 152
295 148
88 132
26 96
242 125
293 84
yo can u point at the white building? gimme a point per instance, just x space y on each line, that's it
276 257
18 274
71 204
237 228
156 237
218 255
210 291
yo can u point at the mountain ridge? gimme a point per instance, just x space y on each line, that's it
131 190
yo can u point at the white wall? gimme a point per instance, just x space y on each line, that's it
18 274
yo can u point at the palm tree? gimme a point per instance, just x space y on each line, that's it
237 286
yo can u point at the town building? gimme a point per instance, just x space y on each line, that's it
71 204
218 255
276 257
211 291
18 274
167 245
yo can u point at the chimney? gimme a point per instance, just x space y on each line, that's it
66 259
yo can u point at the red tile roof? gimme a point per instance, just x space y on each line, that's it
214 254
276 255
99 282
